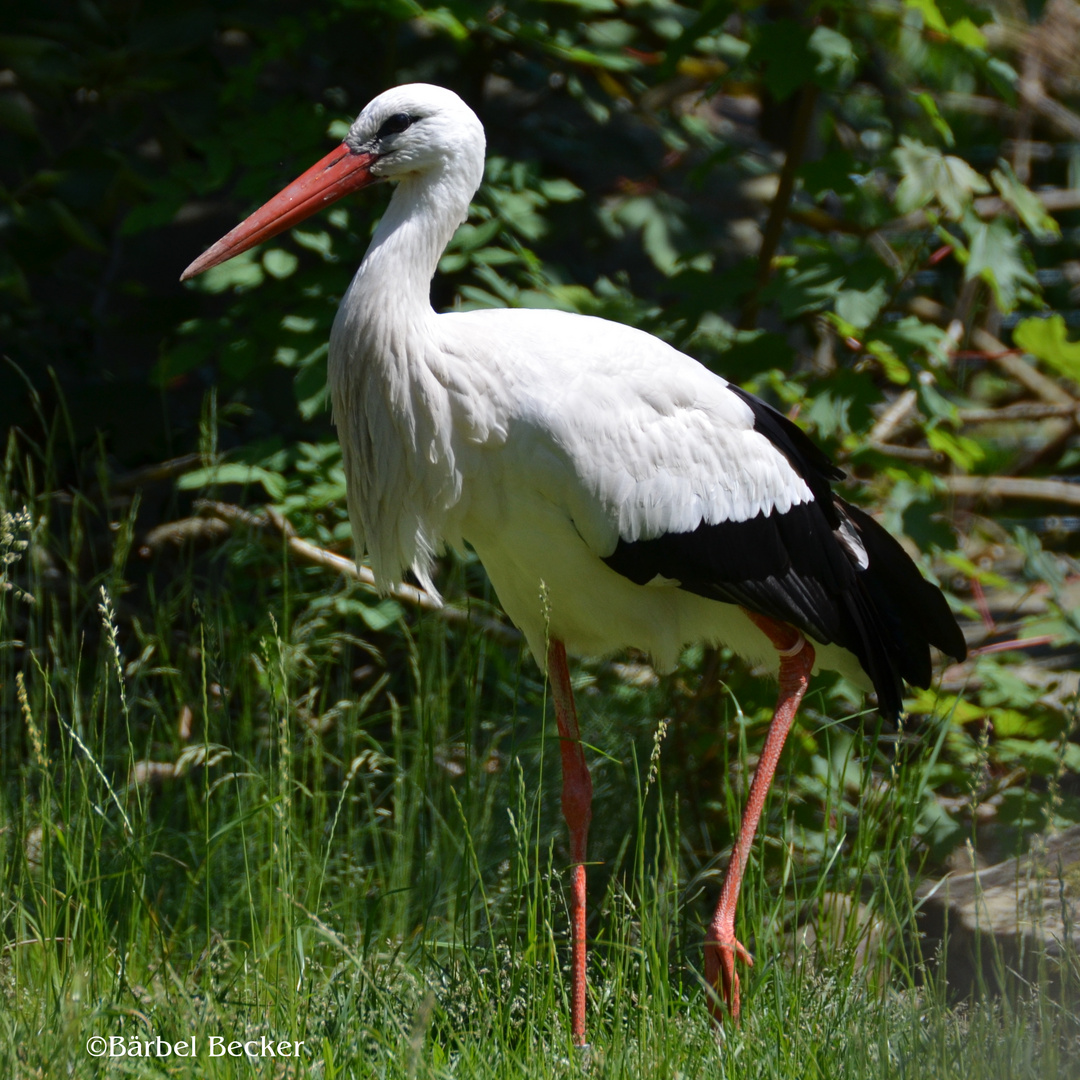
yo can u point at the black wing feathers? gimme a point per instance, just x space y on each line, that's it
785 565
794 567
897 586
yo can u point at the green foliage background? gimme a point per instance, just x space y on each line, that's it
867 213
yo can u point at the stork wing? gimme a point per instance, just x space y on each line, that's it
674 477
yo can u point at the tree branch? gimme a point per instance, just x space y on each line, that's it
305 552
778 209
1011 487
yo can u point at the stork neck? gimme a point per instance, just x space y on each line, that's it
394 281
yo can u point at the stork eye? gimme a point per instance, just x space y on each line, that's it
395 125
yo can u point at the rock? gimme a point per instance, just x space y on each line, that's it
1012 919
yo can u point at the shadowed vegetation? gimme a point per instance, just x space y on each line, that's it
243 796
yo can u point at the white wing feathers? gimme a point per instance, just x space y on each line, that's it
632 437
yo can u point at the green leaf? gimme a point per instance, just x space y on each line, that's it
280 263
319 242
782 48
1038 755
152 215
16 115
861 307
965 32
933 113
833 173
1002 77
964 452
929 174
560 190
978 573
310 386
82 233
1026 204
836 58
931 16
589 7
658 224
807 283
1071 757
445 20
911 336
895 369
234 473
241 272
829 414
936 405
377 616
471 237
996 255
1047 340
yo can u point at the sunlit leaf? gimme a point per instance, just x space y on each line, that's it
933 113
964 452
444 19
895 369
1048 340
927 174
1025 202
996 255
965 32
836 58
860 307
241 272
375 616
931 15
320 242
234 473
280 263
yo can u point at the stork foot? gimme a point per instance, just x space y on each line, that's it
720 973
721 946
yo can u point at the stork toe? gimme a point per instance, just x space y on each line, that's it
722 977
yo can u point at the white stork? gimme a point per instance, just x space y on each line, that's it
651 503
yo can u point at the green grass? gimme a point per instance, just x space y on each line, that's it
360 846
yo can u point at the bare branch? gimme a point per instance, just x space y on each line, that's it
778 209
894 418
1011 487
152 474
313 555
1025 410
907 453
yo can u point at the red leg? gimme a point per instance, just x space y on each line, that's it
577 810
721 946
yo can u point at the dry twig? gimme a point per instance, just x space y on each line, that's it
1011 487
1007 414
894 418
313 555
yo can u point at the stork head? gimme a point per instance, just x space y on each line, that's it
416 131
417 128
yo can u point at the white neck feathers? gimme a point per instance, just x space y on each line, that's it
392 410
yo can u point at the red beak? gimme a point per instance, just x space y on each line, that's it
340 172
